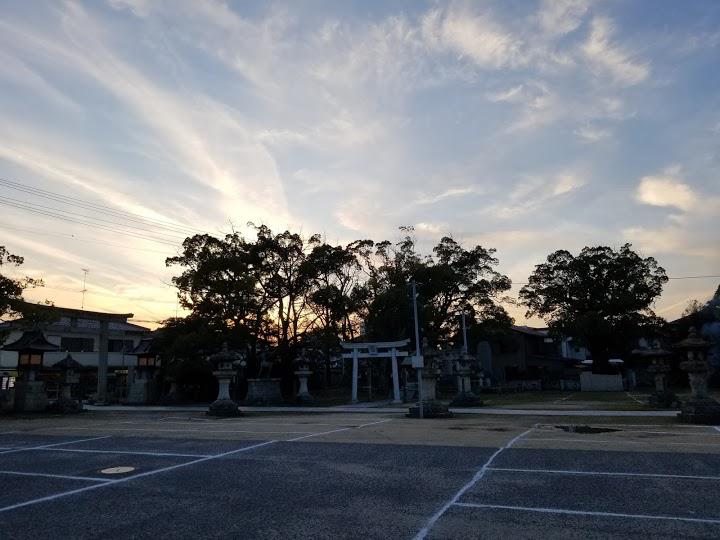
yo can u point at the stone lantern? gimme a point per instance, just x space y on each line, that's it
70 372
656 364
303 372
29 390
700 408
142 388
465 396
224 364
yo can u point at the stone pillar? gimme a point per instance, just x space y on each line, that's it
429 380
355 376
303 394
396 381
102 364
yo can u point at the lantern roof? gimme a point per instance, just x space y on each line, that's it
68 363
224 356
32 341
693 341
147 347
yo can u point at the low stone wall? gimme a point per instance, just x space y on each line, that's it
594 382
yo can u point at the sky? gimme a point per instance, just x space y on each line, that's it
527 126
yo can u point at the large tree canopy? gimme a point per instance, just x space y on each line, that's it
601 296
451 281
285 291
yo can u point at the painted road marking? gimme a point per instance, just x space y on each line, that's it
63 476
606 473
563 511
475 479
24 448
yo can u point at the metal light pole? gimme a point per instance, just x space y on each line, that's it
418 357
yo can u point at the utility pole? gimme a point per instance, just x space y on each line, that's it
418 357
464 330
84 290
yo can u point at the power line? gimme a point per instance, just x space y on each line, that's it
106 295
78 239
87 205
35 207
88 224
674 277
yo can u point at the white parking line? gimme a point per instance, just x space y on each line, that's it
635 399
339 430
648 442
128 478
135 453
154 430
475 479
158 471
63 476
24 448
563 511
605 473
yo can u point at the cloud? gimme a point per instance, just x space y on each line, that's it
665 191
533 193
430 228
476 36
510 95
447 194
566 183
610 58
559 17
592 134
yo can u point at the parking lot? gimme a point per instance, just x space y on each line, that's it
165 475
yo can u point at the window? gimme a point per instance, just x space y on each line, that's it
120 345
76 344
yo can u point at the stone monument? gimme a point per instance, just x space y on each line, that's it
264 390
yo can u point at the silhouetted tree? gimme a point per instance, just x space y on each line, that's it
601 296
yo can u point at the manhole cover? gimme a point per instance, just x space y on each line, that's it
586 430
117 470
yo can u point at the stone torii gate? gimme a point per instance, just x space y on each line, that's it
388 349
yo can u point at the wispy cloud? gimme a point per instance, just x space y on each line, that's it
610 58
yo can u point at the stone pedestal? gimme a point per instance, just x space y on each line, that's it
429 383
30 396
431 409
140 392
303 395
263 392
223 405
